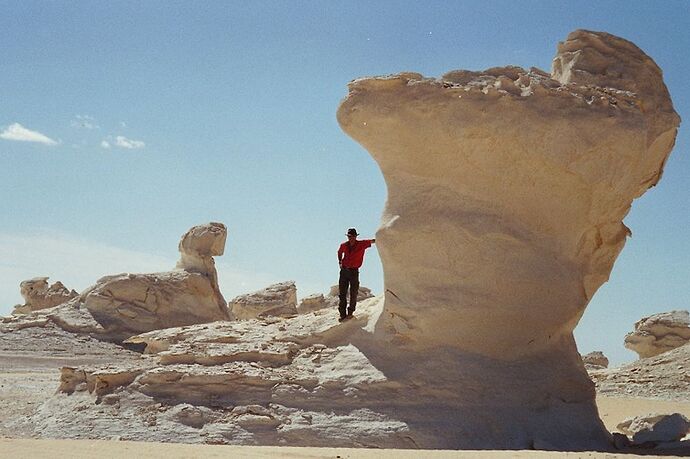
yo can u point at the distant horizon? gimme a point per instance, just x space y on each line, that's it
125 124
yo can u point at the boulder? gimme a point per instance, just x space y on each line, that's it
38 295
316 302
655 428
507 191
659 333
595 359
275 300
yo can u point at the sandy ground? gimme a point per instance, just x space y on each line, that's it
87 449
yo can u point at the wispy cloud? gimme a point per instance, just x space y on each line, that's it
124 142
19 133
105 144
84 122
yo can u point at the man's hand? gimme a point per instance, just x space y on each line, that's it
373 241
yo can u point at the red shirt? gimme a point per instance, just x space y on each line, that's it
353 256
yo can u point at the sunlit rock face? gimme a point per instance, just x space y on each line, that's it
38 294
506 194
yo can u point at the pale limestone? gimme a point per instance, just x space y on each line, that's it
38 294
659 333
278 300
506 195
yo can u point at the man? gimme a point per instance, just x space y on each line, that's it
350 258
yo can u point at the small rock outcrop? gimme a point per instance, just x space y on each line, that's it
278 300
655 428
595 359
507 190
659 333
319 301
38 294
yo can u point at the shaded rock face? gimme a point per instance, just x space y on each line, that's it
595 359
506 194
275 300
659 333
38 294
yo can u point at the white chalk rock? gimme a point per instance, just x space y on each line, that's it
659 333
275 300
506 195
123 305
656 428
38 295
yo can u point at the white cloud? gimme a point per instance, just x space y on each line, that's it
124 142
84 122
79 263
105 144
19 133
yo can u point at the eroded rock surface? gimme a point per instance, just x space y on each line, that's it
664 376
659 333
278 300
595 359
295 381
38 294
506 194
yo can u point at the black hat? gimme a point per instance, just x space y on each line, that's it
352 232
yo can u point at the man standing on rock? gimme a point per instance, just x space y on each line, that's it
350 258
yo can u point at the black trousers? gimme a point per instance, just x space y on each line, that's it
349 278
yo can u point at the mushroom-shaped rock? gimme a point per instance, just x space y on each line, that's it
659 333
506 194
38 294
275 300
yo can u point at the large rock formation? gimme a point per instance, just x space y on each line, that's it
275 300
38 295
122 305
659 333
506 194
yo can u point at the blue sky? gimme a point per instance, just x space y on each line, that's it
157 116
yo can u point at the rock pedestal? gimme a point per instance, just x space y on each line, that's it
506 194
